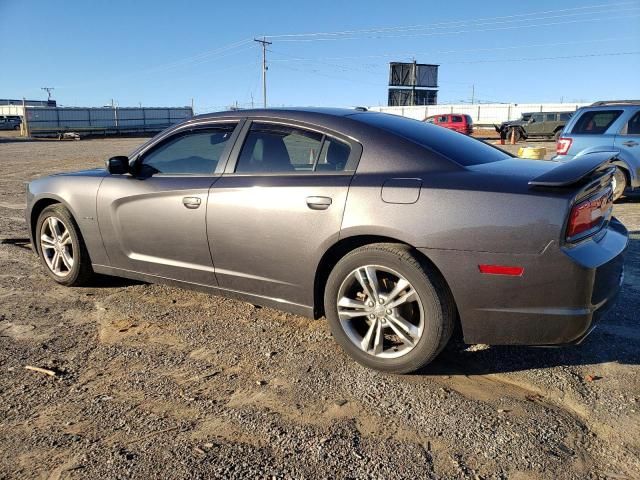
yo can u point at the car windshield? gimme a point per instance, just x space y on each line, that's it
459 148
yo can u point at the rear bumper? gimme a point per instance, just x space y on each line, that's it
559 299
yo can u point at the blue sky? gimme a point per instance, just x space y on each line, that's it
162 53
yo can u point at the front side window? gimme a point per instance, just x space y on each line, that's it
442 119
196 152
536 117
283 149
596 122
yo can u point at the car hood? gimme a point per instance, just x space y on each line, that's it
94 172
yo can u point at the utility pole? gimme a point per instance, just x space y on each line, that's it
25 119
264 68
473 94
48 90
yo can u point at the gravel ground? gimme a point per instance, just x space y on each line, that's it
157 382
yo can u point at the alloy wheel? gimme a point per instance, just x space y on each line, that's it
57 246
380 311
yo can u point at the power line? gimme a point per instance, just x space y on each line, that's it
471 50
456 23
457 32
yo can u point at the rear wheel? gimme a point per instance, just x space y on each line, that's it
389 310
619 183
61 248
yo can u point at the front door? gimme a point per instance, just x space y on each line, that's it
278 208
154 222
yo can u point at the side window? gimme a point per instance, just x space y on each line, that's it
633 125
596 122
537 117
564 117
442 119
192 153
333 156
550 117
275 149
456 119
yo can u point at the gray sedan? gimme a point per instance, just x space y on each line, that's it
396 231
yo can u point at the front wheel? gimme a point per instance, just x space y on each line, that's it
388 309
61 248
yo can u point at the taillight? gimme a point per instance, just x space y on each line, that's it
563 145
588 216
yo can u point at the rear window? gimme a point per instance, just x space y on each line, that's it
459 148
596 122
469 120
456 119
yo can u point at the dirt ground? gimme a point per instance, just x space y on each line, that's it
157 382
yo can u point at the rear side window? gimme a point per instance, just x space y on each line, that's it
461 149
283 149
596 122
456 119
633 125
564 117
550 117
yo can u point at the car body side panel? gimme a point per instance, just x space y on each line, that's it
147 228
264 237
449 214
560 294
78 193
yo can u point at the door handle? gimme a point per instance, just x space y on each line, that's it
318 203
630 143
191 202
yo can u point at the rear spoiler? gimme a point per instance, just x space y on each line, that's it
575 171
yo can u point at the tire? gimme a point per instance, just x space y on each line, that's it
619 183
425 308
74 273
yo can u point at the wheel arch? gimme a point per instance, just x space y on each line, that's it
38 206
345 245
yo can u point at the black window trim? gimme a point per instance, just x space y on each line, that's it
185 129
350 167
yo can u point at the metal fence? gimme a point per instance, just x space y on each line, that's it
482 114
104 120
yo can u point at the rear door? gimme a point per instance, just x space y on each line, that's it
628 142
278 207
154 222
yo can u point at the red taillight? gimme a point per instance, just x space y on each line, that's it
589 214
563 145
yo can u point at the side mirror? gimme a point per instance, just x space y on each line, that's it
118 165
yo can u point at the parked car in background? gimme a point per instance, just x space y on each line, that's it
607 126
453 121
10 122
536 125
395 230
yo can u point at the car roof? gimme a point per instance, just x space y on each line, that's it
288 112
